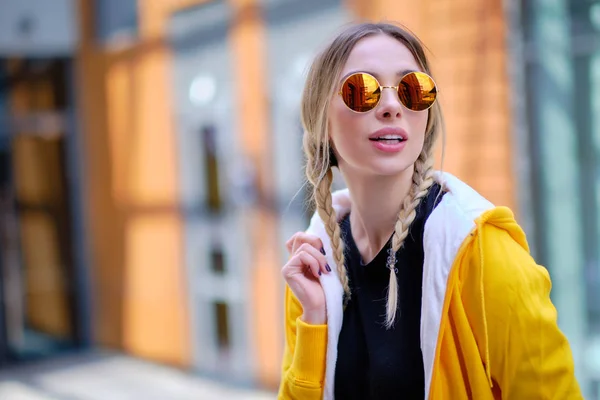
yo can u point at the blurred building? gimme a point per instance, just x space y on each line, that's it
152 164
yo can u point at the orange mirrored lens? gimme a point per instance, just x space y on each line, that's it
417 91
361 92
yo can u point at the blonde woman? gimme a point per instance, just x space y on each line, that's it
408 284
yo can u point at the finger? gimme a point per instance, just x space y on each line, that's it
301 237
306 247
311 262
301 263
290 242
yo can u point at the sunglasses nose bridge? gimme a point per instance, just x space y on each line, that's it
396 97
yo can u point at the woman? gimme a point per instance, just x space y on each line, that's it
408 284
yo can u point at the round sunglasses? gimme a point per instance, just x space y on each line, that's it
361 91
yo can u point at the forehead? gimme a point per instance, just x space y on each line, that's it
380 54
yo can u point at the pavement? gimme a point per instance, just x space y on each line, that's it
107 376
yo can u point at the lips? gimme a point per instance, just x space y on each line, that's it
389 140
389 135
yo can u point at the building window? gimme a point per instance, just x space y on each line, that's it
217 260
116 20
211 169
221 314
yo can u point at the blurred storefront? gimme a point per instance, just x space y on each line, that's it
42 267
152 163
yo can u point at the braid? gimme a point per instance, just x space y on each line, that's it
327 214
421 182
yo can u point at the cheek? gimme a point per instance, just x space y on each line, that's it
418 122
343 124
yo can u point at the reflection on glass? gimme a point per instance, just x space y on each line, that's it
361 92
417 91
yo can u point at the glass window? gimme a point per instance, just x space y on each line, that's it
221 312
211 168
116 19
217 260
566 82
38 271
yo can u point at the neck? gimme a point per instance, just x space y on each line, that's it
376 202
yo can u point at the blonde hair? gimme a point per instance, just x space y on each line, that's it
319 90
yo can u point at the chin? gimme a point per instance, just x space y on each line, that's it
390 171
386 167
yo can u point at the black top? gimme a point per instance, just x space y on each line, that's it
373 362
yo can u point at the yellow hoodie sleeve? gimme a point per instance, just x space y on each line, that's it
529 357
303 369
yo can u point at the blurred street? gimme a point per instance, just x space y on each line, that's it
103 376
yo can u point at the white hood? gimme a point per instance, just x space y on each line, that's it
445 230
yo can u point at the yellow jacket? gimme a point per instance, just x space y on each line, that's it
488 327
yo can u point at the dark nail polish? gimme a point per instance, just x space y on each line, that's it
319 272
322 251
328 268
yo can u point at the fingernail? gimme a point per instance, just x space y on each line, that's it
322 251
328 268
319 272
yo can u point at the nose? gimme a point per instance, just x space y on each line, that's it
389 104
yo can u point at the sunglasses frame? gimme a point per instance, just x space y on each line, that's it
381 87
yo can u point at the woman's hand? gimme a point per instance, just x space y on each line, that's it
302 272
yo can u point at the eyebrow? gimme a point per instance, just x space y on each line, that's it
398 74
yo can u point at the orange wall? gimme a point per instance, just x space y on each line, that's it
104 222
470 60
468 55
140 294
